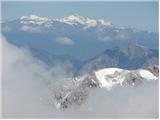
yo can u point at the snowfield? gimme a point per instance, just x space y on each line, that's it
147 75
109 77
76 93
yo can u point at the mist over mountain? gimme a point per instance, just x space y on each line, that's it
76 67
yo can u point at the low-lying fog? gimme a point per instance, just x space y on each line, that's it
26 92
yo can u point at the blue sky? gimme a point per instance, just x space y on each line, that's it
140 15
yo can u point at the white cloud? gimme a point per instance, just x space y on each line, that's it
124 102
65 41
113 38
26 83
30 28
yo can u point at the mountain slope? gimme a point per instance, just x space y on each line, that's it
73 64
75 91
130 56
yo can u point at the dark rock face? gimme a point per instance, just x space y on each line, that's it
130 56
154 69
69 95
133 78
75 92
65 99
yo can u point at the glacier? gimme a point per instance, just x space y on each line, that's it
77 91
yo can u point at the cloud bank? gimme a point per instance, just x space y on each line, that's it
27 91
119 36
64 41
25 83
26 28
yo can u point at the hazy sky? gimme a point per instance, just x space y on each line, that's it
141 15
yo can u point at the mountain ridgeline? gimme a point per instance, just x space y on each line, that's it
74 35
129 56
78 40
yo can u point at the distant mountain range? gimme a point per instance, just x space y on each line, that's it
73 35
88 44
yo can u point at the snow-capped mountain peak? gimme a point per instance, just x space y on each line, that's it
75 19
76 92
34 19
104 22
108 77
71 20
108 82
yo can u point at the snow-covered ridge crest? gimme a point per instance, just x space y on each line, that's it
76 90
108 77
74 19
70 20
34 19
